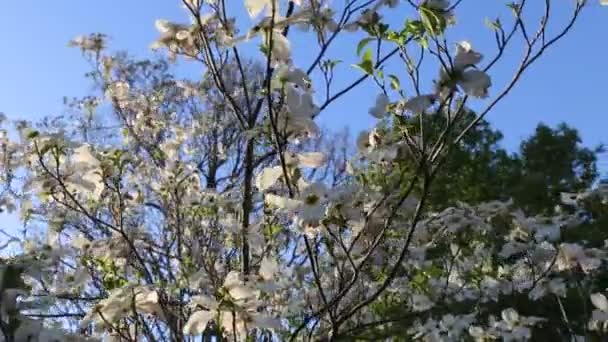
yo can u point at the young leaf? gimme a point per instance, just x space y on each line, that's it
494 25
362 44
367 64
395 83
434 22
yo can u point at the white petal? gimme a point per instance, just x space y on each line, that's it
384 155
162 25
317 189
241 293
81 276
302 127
589 264
299 78
466 56
510 316
83 158
291 159
232 279
476 331
549 233
379 108
146 296
255 7
420 103
351 27
281 48
268 177
237 288
80 242
282 202
568 198
118 90
310 215
265 322
375 138
475 83
295 76
300 104
257 241
182 35
147 302
234 325
421 302
156 45
268 268
197 323
293 99
52 237
93 181
78 41
312 159
363 141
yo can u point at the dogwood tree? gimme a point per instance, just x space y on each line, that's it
165 209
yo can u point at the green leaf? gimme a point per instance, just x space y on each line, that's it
415 28
494 25
158 154
434 22
424 42
362 44
331 64
367 64
368 56
395 83
514 7
396 37
33 134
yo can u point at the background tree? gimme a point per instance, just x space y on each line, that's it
548 163
552 162
477 170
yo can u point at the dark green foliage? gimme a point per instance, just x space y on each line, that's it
549 162
477 170
553 162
